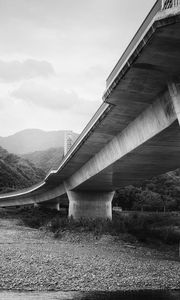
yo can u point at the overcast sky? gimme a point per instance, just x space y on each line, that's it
55 56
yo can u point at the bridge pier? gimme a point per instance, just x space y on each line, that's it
90 205
174 92
55 206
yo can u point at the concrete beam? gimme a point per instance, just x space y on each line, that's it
158 116
90 205
37 197
130 120
51 205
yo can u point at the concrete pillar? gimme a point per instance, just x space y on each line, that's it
174 92
90 205
55 206
48 205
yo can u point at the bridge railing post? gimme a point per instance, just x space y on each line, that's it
162 4
166 4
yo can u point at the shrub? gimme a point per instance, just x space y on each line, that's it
142 226
36 217
164 227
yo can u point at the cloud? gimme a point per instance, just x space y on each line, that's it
55 99
2 103
13 71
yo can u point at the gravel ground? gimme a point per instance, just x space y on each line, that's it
33 260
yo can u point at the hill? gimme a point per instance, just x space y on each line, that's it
47 159
161 193
17 173
30 140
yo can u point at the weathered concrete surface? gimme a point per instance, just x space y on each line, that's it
174 91
153 120
145 81
90 205
50 205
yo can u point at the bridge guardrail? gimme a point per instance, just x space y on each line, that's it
22 191
134 42
158 6
167 4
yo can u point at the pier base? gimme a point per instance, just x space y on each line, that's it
90 205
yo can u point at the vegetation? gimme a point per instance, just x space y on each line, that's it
17 173
144 227
38 217
154 200
131 226
47 159
32 217
30 140
161 193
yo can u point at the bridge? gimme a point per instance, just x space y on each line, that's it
133 136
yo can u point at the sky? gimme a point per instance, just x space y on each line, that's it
55 57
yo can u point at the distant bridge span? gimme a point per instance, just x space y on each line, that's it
134 135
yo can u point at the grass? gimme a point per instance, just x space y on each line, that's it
32 217
152 226
145 227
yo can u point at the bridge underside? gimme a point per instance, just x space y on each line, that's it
142 80
158 155
136 135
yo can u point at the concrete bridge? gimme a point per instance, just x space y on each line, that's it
135 133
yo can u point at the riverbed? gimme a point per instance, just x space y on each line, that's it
33 260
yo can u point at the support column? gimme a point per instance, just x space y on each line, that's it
90 205
55 206
174 92
48 205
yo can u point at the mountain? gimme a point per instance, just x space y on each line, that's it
17 173
159 193
47 159
30 140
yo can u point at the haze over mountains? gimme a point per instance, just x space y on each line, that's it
17 173
47 159
28 155
31 140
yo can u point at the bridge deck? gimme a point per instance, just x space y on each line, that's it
158 155
146 78
136 84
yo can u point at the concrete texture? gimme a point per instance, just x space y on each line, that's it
174 91
49 205
153 120
90 205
